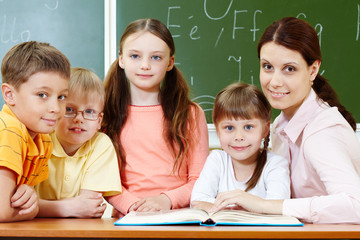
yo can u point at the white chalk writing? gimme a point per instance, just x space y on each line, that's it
239 66
358 23
9 33
234 25
254 29
53 6
216 18
169 26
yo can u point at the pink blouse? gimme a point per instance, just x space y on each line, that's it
324 154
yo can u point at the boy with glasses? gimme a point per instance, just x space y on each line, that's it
83 166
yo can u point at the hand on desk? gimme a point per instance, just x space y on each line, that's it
238 198
25 199
89 204
202 205
246 201
208 206
153 203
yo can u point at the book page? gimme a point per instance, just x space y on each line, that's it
171 216
238 216
199 216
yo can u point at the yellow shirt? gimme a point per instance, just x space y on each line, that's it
93 167
27 157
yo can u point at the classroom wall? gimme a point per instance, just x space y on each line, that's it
216 40
214 37
88 31
77 28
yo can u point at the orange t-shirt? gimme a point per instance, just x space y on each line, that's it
27 157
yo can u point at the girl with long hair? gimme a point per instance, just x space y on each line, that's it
160 135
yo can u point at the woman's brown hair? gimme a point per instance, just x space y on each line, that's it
173 97
298 35
244 101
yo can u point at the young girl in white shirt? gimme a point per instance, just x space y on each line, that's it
241 116
314 131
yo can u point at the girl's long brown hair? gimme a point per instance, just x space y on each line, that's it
298 35
177 107
240 100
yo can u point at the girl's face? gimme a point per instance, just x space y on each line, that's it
285 77
241 138
145 59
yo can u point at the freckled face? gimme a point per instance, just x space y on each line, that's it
285 77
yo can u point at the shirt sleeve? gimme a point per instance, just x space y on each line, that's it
102 172
122 202
180 197
334 161
11 150
206 187
277 177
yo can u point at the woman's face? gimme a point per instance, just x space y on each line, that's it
285 77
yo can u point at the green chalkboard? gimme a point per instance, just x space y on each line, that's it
216 40
75 27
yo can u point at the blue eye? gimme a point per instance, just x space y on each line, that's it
229 128
134 56
248 127
156 57
90 111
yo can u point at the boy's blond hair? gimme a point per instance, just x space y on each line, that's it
27 58
86 83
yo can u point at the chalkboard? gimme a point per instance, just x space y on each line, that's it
216 40
75 27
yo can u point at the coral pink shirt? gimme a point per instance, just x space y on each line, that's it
149 162
325 163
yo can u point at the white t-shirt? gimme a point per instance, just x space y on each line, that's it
218 176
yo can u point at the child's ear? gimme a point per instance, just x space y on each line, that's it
101 115
266 129
121 62
171 63
8 93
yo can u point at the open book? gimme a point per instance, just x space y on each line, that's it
198 216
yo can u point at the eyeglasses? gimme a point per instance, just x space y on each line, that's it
88 114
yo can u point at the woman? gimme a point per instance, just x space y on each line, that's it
314 131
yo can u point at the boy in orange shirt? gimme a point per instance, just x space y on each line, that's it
35 84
